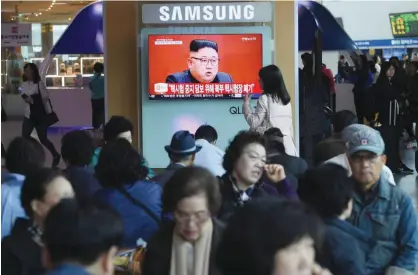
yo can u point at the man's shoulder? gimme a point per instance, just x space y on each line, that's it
224 77
179 77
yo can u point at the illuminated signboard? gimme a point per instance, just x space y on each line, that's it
404 24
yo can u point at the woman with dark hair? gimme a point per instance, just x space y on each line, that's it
138 202
271 237
385 98
21 252
37 108
192 197
97 86
248 174
273 107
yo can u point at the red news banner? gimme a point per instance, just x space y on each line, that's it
209 89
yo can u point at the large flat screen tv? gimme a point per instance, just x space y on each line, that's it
204 66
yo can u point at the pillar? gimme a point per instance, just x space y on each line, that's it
47 39
285 52
121 61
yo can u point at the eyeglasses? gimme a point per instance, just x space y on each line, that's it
365 158
198 217
206 61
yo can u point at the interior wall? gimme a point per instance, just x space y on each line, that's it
285 52
368 20
121 69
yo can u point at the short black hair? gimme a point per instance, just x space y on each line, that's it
327 189
116 126
261 228
273 131
273 84
77 148
35 70
198 44
119 163
23 155
176 158
35 185
234 151
190 181
275 145
343 119
81 233
206 132
98 67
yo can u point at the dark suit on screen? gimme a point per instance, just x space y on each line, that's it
186 77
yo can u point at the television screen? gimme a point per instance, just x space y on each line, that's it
404 24
204 66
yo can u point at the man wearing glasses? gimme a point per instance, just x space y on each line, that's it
203 63
380 209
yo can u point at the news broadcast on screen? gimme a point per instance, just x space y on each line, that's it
204 66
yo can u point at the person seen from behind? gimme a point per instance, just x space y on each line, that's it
276 153
118 127
181 152
77 149
334 145
97 88
23 156
329 191
121 173
188 244
210 156
81 240
37 109
248 174
380 209
271 236
273 107
21 251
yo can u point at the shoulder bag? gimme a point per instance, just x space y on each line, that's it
38 112
266 124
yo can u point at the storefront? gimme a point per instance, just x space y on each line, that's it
130 68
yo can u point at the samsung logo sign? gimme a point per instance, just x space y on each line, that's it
207 13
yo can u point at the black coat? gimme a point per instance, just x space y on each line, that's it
157 258
20 254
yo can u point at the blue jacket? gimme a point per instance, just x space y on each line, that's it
390 218
11 208
340 237
83 180
68 269
136 222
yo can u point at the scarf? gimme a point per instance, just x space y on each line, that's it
192 258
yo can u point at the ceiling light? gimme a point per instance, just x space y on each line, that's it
69 19
53 1
40 13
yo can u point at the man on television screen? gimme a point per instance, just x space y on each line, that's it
203 65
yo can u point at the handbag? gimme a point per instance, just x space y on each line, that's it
38 113
266 124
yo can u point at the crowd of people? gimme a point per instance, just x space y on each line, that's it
386 97
254 209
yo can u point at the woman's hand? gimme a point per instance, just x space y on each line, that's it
275 172
247 98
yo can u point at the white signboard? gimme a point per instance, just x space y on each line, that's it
182 13
16 35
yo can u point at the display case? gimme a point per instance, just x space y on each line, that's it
69 70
